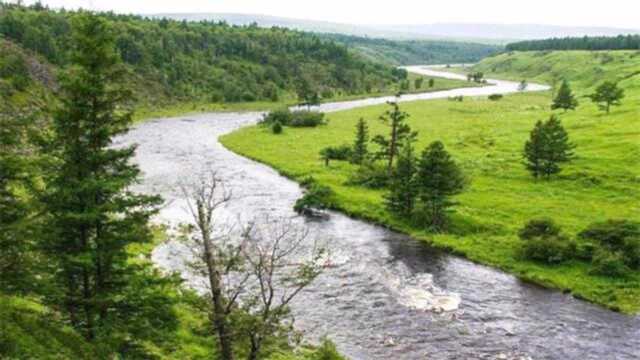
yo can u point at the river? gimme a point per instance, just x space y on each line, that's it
376 303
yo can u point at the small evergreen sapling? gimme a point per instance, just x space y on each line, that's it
438 178
548 146
565 99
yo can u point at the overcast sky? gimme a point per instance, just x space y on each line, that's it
609 13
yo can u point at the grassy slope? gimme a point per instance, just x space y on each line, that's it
487 139
144 112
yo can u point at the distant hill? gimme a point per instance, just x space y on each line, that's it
411 52
492 33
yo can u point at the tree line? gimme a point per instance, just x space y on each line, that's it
620 42
410 52
204 60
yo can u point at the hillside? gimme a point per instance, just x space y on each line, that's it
486 138
412 52
585 69
173 61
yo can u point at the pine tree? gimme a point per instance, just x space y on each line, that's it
565 99
93 216
438 178
557 146
14 247
399 132
534 150
607 94
360 150
402 187
548 146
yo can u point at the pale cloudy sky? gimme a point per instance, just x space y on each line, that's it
610 13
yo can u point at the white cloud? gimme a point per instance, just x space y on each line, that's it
611 13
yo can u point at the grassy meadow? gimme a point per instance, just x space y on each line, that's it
487 139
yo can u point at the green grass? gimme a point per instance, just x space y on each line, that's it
146 112
487 138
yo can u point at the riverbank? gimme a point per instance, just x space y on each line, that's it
486 138
146 112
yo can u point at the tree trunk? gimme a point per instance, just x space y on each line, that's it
218 306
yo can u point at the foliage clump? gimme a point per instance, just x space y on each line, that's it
298 118
316 197
543 241
617 246
342 152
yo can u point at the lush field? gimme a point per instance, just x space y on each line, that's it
487 139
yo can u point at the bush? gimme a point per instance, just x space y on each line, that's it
547 249
544 242
283 116
616 236
316 197
609 263
539 228
495 97
276 128
371 175
342 152
326 351
306 119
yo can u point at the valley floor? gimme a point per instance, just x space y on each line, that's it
487 139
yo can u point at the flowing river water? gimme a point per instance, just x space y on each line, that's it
383 299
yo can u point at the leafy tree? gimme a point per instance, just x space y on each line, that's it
565 99
399 132
402 187
607 94
548 146
93 216
360 149
432 82
438 178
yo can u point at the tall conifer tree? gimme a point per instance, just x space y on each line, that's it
93 216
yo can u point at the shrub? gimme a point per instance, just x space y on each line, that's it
316 197
342 152
544 242
539 228
283 116
326 351
306 119
609 263
611 233
276 128
370 174
616 236
547 249
495 97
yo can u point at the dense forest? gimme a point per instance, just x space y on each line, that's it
411 52
205 61
620 42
